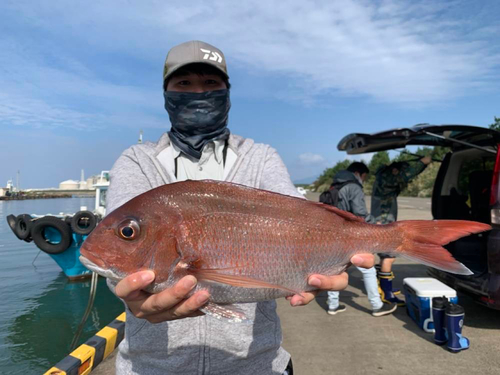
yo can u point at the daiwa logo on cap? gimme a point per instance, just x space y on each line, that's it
209 55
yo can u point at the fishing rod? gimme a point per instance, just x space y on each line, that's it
418 157
93 289
33 263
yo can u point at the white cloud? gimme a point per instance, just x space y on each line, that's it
390 51
36 113
394 53
400 52
365 158
309 159
36 93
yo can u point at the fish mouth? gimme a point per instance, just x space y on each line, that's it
106 272
91 258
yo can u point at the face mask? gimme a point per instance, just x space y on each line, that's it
359 178
197 118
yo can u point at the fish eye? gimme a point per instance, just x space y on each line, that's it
129 229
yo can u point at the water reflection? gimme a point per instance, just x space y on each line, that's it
40 309
41 335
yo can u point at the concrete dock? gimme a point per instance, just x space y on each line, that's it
354 342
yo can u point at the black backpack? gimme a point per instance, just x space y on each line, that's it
331 196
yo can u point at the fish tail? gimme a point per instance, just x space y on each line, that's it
423 241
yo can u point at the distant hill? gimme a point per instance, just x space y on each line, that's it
307 180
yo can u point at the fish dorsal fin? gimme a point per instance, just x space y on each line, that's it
344 214
218 276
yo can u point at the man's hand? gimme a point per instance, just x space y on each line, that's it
426 160
169 304
338 282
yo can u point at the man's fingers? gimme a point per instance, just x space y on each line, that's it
130 287
302 299
187 308
183 287
191 305
363 260
338 282
169 297
170 304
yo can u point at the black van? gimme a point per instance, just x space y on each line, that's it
466 188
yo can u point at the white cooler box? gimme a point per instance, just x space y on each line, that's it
419 292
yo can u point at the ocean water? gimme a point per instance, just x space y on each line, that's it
40 309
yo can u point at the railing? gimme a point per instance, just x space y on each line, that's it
89 355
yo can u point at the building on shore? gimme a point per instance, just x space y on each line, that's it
83 184
69 185
8 190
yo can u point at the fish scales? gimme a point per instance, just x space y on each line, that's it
262 247
247 245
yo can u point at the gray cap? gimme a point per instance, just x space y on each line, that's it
193 52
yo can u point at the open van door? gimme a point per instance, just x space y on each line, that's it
467 187
454 136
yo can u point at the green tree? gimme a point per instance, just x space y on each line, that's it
420 187
379 159
326 178
423 184
439 152
496 124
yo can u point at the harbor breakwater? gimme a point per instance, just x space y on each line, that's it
48 194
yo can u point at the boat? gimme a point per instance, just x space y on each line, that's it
61 235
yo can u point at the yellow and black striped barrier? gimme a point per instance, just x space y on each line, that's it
87 356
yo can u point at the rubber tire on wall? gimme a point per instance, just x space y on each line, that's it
68 219
11 220
59 225
82 215
23 227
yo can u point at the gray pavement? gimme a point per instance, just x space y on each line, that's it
354 342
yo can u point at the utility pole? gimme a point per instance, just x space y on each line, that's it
17 181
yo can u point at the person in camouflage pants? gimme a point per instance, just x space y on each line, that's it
390 180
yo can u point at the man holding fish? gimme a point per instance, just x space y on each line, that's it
213 256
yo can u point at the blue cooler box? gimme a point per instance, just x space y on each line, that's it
419 292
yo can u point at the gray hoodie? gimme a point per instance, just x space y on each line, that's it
201 345
351 195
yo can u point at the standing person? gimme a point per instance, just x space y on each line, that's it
349 196
165 332
390 180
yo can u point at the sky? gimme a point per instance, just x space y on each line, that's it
80 80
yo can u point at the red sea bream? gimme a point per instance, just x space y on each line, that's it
248 245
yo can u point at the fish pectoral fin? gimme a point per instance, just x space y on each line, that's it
228 313
235 280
